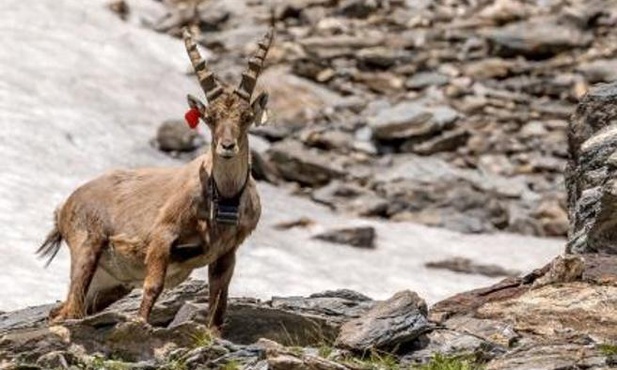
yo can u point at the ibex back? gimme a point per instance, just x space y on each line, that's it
152 227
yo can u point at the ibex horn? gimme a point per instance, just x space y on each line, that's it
208 83
256 62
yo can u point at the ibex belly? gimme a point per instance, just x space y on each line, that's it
123 260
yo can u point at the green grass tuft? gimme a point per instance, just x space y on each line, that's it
175 365
443 362
100 363
325 350
608 349
377 360
232 365
202 339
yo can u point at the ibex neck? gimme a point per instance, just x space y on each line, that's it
231 175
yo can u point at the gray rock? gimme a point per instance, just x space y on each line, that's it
213 14
537 39
176 136
381 57
367 205
467 266
408 120
291 321
357 8
338 306
422 80
167 305
31 317
553 217
446 142
342 293
313 15
450 343
295 100
58 360
489 68
329 140
202 355
261 167
280 358
585 14
304 165
550 357
360 236
501 334
396 321
298 222
382 82
350 198
600 70
591 172
121 8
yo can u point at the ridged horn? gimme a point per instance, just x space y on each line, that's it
206 78
255 65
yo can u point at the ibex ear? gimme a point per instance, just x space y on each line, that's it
195 103
259 109
197 111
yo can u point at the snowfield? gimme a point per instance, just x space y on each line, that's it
82 92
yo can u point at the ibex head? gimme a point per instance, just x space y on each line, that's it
229 113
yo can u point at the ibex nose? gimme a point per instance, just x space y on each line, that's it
229 145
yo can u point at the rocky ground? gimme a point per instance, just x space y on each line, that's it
561 316
447 113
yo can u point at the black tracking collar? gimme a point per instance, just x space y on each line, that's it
225 211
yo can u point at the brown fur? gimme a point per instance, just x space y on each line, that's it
130 228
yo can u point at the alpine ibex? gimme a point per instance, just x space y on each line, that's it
152 227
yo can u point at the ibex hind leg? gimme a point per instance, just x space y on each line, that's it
104 290
86 249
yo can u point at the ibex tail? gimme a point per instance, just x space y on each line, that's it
52 243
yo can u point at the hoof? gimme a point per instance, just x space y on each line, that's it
57 315
56 320
137 319
215 332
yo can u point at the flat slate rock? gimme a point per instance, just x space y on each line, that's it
396 321
360 236
410 119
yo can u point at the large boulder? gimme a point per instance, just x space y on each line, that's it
591 176
560 316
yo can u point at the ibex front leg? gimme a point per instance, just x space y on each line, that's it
219 276
157 259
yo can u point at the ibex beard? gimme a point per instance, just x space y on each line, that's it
152 227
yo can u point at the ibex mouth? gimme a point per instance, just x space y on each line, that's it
227 155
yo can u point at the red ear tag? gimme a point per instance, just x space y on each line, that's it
192 117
